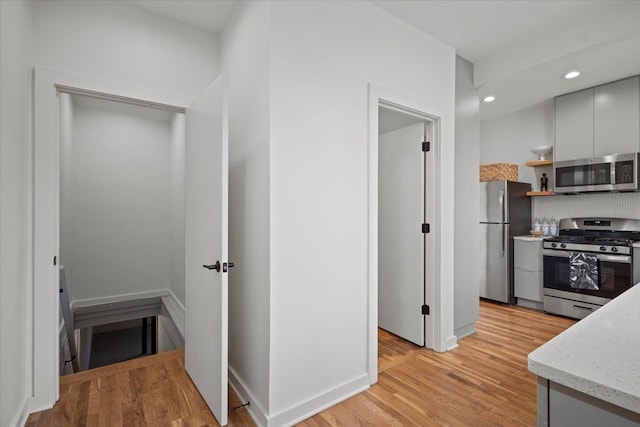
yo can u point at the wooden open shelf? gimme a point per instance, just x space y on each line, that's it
540 193
540 163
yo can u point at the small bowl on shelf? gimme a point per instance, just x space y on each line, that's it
536 233
542 151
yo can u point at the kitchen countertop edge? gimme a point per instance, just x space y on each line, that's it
530 238
600 391
596 357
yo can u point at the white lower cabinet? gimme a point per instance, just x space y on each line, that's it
527 271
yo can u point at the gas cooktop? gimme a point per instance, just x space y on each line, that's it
614 231
615 235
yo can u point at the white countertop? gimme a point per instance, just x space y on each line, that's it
600 355
530 238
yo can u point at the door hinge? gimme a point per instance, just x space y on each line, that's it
425 309
426 228
426 146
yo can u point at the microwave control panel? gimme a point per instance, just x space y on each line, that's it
624 172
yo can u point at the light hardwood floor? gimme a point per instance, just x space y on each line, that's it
483 382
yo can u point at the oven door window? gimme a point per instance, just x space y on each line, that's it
613 277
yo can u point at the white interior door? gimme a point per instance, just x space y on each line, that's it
206 290
401 250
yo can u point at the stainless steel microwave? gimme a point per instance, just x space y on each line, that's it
617 172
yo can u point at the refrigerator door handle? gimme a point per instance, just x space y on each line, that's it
501 203
503 237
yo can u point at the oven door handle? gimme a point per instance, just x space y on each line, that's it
622 259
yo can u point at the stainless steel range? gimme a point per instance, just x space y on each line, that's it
590 262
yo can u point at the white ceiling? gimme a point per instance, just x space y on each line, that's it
520 48
390 120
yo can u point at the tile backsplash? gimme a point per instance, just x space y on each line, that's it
616 205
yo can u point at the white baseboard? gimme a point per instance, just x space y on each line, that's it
20 418
465 331
451 342
319 403
255 409
173 311
299 411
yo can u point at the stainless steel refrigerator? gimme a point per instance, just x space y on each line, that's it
505 211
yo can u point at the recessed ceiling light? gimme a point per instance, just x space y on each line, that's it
571 75
489 98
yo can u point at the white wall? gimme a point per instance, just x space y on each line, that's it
119 198
119 42
246 67
510 139
466 307
16 60
323 55
615 205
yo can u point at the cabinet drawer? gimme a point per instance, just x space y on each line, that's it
528 285
527 255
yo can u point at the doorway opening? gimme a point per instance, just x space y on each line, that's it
403 146
120 227
404 243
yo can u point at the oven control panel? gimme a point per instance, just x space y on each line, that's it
587 247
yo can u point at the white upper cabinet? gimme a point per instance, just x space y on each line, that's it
599 121
617 117
574 126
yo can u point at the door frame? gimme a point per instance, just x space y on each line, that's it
46 224
437 334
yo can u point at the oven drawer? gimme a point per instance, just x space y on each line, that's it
569 308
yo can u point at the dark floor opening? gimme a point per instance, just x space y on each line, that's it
120 341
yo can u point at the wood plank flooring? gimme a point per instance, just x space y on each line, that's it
483 382
150 391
